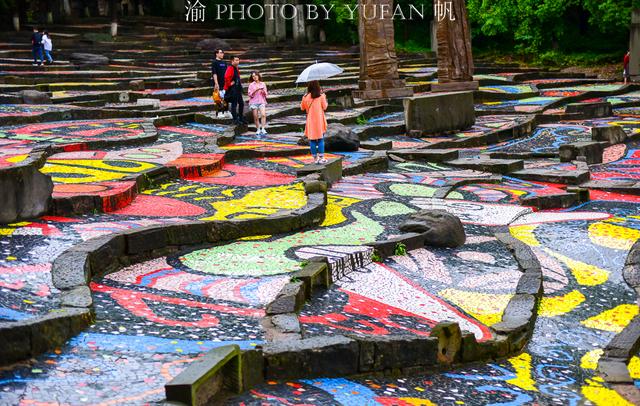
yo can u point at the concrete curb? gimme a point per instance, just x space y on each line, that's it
22 340
289 355
71 114
519 317
624 345
81 204
30 185
73 270
450 187
378 162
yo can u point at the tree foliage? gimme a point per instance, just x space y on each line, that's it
532 26
524 26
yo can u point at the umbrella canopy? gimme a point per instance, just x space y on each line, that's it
319 71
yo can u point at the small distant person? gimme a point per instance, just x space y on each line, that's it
315 104
258 102
36 47
625 73
47 45
233 91
218 70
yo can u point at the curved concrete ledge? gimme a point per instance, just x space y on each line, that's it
150 135
449 187
612 365
73 270
178 119
484 96
563 199
287 355
518 319
25 339
378 162
582 114
493 137
71 114
27 192
572 82
81 204
237 154
560 200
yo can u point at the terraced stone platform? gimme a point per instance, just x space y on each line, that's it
158 185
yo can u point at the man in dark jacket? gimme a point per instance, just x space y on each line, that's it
233 91
36 47
218 70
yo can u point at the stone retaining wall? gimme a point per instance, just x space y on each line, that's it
612 365
29 191
438 113
71 114
287 355
73 270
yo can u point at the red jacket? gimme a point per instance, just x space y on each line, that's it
626 60
228 77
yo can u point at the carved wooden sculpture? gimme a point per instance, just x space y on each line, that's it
455 58
378 62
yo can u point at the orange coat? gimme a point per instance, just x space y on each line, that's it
316 121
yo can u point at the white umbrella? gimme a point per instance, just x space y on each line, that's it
319 71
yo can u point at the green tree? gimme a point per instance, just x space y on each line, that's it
533 26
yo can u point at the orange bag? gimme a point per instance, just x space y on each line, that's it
216 97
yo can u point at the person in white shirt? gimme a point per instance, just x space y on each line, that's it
48 46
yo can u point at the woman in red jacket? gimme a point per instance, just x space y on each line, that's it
233 91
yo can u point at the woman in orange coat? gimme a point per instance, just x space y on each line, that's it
315 103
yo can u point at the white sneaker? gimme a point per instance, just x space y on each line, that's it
258 133
264 131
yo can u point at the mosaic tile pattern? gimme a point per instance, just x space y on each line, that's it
155 317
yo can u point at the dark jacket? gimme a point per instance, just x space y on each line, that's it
36 39
234 92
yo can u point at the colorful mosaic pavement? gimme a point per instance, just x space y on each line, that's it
155 317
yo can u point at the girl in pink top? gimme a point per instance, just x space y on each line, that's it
315 104
258 102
